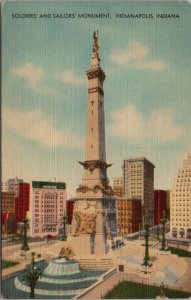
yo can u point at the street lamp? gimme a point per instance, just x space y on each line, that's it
158 232
25 245
163 222
64 236
146 260
33 275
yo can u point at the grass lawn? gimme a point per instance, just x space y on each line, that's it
133 290
7 264
180 252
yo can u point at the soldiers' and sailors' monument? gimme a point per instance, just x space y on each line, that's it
94 216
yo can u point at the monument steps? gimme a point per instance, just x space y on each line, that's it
96 264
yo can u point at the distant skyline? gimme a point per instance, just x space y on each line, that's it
44 88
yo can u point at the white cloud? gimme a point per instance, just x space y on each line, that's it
136 55
156 65
132 124
34 77
134 51
31 73
69 77
32 125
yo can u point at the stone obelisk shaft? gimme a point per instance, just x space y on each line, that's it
94 204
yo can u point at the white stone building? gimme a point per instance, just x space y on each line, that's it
180 202
117 186
47 208
117 182
13 185
4 186
138 182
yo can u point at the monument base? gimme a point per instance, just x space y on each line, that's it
81 245
94 218
100 247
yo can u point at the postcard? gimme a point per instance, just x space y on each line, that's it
96 149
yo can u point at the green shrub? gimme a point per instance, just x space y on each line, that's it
133 290
8 264
180 252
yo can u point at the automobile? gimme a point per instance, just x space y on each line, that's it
48 236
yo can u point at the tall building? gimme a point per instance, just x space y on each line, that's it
8 202
8 223
168 204
180 202
129 215
160 205
138 182
4 186
13 185
21 192
47 208
8 220
118 186
69 210
94 206
22 201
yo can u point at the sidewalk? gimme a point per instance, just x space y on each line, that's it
11 271
185 280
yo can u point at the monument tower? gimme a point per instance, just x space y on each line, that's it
94 218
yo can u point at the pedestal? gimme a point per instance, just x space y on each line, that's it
93 217
81 245
100 247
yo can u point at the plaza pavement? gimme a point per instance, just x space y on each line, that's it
168 268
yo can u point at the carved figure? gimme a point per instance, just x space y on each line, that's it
82 188
95 164
105 188
85 223
162 290
66 252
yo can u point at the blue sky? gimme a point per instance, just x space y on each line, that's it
44 88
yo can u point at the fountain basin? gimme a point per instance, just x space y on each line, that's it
60 266
52 286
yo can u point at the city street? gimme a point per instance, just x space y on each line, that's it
8 251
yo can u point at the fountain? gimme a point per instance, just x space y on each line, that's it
60 266
62 278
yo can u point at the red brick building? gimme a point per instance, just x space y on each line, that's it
22 201
129 215
8 223
8 202
70 209
160 204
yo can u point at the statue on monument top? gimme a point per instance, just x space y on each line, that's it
95 44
